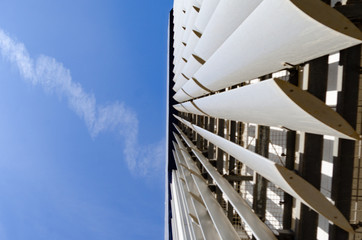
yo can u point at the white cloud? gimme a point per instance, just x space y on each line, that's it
54 78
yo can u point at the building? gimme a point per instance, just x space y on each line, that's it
264 120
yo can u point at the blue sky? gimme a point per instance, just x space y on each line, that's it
82 126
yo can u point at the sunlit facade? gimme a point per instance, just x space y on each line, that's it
264 120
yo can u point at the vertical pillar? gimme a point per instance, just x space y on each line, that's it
198 137
204 143
343 164
210 147
232 139
260 187
231 166
188 130
220 156
211 128
240 129
193 121
289 160
311 159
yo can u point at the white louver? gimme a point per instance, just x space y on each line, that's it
219 44
259 229
197 208
276 103
279 175
206 11
221 223
275 33
227 16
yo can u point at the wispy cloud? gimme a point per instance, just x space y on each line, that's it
54 78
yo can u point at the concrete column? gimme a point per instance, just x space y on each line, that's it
343 164
311 160
260 187
220 155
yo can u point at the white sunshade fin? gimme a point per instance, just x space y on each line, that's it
178 69
191 107
190 37
189 202
191 43
205 223
180 81
206 11
191 66
190 209
279 175
185 93
179 214
259 229
179 16
221 223
187 8
180 108
264 51
178 55
190 24
227 16
274 102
